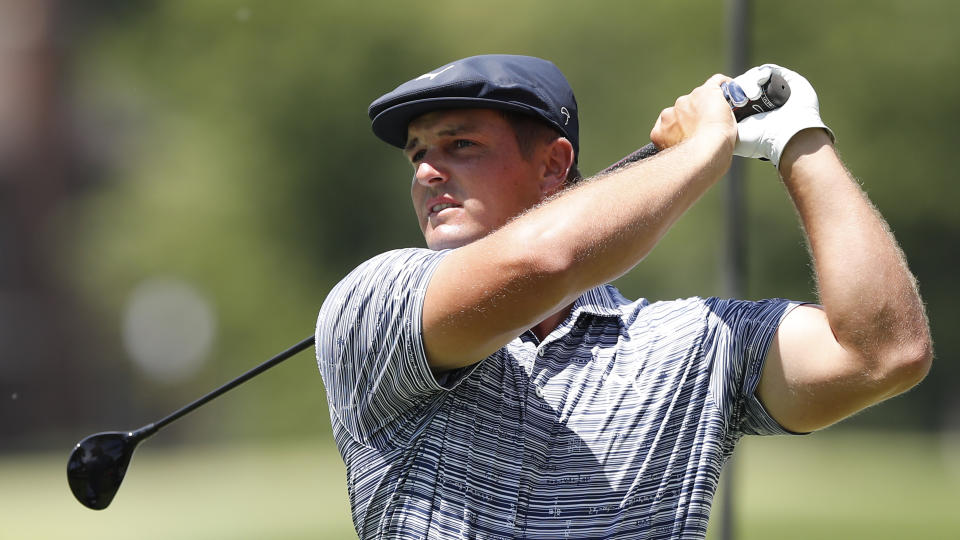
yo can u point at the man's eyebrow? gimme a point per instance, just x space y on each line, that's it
447 132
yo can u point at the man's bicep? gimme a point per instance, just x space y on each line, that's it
809 380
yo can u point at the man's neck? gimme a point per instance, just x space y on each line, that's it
543 329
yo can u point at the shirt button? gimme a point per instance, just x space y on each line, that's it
539 391
540 352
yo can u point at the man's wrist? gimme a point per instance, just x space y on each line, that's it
715 143
805 142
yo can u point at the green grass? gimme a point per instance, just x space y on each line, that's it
842 484
830 485
251 492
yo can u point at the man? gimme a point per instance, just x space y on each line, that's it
494 386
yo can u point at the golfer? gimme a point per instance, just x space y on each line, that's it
495 386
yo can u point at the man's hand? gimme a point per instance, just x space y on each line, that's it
765 135
702 111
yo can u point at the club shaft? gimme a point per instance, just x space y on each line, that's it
150 429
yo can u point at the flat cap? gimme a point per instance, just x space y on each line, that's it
523 84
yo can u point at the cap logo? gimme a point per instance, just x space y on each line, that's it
565 112
433 76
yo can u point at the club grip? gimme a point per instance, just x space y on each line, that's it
644 152
773 94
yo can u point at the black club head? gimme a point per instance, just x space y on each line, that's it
97 465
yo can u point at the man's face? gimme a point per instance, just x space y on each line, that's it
469 175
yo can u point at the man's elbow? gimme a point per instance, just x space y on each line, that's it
908 364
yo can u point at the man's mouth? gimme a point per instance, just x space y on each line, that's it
440 206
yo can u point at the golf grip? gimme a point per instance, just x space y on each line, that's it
773 94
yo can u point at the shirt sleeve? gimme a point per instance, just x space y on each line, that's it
743 333
370 348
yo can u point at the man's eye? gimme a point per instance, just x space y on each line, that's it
462 143
418 155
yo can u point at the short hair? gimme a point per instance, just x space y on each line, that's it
529 132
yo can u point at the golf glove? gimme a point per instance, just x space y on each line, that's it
765 135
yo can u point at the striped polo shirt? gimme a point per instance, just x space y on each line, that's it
614 426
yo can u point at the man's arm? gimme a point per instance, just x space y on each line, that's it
486 293
870 340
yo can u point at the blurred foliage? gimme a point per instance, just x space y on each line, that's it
241 158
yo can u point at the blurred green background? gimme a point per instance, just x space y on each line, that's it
182 182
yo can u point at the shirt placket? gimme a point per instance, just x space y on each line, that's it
532 460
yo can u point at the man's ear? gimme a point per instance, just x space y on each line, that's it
557 160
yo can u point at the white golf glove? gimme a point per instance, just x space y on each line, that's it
765 135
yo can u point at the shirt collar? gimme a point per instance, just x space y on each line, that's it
601 301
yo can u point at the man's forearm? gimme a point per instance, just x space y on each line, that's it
603 228
867 291
487 293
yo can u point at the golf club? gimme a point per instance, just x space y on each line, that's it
98 463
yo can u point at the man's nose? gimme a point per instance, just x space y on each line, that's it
429 173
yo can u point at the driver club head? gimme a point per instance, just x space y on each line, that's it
97 465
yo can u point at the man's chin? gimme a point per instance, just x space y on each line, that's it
446 243
439 242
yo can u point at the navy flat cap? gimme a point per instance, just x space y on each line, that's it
524 84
